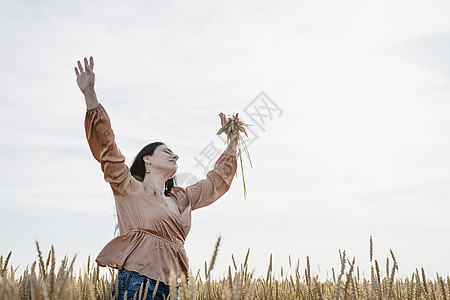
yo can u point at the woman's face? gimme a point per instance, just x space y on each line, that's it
163 159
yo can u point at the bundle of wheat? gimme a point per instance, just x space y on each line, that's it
233 128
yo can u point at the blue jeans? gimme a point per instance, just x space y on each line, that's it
130 282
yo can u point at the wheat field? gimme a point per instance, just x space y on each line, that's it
43 280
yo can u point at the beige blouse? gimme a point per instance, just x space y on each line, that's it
151 240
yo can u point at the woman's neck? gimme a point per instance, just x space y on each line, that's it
155 181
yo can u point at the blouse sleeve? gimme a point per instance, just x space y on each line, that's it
101 140
217 182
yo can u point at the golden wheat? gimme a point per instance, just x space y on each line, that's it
41 280
233 128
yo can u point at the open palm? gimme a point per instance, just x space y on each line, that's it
86 76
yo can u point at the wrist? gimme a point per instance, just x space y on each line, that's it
231 148
89 92
91 98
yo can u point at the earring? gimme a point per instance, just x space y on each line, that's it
148 171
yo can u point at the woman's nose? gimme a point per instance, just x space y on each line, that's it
175 157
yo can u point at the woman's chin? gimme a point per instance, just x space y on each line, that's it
173 172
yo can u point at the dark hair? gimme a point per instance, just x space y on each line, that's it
138 170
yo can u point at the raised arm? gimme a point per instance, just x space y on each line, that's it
101 137
218 180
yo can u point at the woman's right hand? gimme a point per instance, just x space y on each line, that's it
86 76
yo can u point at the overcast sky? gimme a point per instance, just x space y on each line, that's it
358 144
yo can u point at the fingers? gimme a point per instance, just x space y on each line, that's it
88 66
223 119
80 67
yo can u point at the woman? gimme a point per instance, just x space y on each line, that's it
154 216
